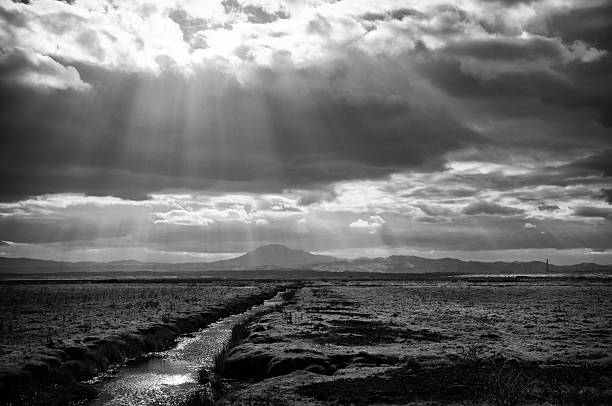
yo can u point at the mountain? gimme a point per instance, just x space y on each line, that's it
280 258
412 264
19 263
273 255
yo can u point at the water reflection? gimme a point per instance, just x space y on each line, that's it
169 377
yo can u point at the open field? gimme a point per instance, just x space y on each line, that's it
76 330
539 342
441 342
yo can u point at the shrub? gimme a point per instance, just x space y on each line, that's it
579 386
472 353
509 387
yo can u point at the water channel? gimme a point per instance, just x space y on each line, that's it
170 377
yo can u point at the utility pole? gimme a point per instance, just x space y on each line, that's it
546 265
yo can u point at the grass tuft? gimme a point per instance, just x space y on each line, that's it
509 387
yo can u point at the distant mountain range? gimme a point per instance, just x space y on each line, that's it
278 257
413 264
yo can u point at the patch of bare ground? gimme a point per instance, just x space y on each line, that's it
430 343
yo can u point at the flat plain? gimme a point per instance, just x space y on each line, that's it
538 342
429 342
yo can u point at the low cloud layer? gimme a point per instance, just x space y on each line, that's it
326 125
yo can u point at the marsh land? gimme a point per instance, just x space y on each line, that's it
444 341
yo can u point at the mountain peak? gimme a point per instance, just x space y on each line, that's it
274 247
275 255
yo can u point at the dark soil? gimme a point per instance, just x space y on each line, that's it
498 383
371 332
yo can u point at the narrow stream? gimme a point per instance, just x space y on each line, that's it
170 377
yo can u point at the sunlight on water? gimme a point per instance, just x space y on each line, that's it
168 378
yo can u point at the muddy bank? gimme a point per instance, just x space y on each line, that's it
56 379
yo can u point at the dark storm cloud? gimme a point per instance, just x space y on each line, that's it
607 195
483 207
374 131
589 22
20 66
596 212
451 191
511 2
600 163
507 49
316 196
551 68
546 87
457 127
535 197
501 233
572 174
548 207
432 211
131 134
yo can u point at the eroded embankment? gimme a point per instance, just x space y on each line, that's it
57 380
330 347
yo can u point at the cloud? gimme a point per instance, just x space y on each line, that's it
316 196
31 69
600 162
319 25
372 224
435 214
255 13
223 126
193 28
548 207
595 212
500 233
607 195
396 14
585 22
508 49
186 129
360 224
489 208
182 217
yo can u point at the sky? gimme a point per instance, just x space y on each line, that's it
192 130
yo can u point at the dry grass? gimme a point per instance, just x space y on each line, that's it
38 320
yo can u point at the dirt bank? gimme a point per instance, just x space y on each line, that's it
56 379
